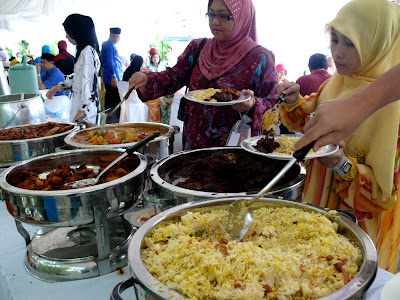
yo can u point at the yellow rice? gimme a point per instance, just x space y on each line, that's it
287 250
286 144
205 94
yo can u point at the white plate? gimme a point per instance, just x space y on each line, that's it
391 289
138 218
249 144
242 98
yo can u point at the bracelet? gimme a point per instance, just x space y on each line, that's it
343 167
291 104
38 75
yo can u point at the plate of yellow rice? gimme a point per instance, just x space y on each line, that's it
204 96
284 151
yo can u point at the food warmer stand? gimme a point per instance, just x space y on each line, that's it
82 233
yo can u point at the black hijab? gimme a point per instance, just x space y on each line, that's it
134 67
81 29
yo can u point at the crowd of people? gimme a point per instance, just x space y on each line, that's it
361 177
56 72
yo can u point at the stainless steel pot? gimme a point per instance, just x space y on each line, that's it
167 195
12 151
156 290
71 207
21 109
158 147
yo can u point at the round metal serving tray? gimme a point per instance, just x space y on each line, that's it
167 194
13 151
353 290
75 206
157 147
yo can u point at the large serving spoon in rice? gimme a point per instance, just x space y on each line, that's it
240 213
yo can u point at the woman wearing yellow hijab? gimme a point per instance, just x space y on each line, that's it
363 175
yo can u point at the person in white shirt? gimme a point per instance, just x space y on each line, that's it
84 100
4 57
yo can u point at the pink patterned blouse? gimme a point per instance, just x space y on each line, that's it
209 126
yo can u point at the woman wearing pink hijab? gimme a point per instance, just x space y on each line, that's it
282 72
232 58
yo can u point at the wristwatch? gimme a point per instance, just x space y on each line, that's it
343 167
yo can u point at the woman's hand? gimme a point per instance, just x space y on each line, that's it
51 92
247 105
334 120
291 91
138 80
79 114
333 159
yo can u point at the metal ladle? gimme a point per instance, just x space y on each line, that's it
240 213
92 181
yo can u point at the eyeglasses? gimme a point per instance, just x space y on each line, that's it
222 18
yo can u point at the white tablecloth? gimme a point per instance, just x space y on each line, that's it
17 284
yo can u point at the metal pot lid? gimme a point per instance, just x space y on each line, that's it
356 286
166 131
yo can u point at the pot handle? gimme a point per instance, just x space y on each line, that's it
23 232
122 286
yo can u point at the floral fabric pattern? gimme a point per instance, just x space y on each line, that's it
209 126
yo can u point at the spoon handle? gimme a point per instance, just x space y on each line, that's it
299 155
302 153
123 155
275 179
143 142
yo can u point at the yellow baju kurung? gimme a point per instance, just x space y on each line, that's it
370 189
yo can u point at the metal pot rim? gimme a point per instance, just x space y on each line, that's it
6 186
69 138
75 128
362 281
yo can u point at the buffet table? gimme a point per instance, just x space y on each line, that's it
17 284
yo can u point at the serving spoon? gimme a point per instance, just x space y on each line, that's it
128 93
92 181
240 213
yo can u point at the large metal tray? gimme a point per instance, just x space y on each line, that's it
167 194
156 290
157 147
13 151
76 206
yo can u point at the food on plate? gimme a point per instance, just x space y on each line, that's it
288 254
281 144
217 95
56 180
33 131
267 144
205 94
226 172
116 135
